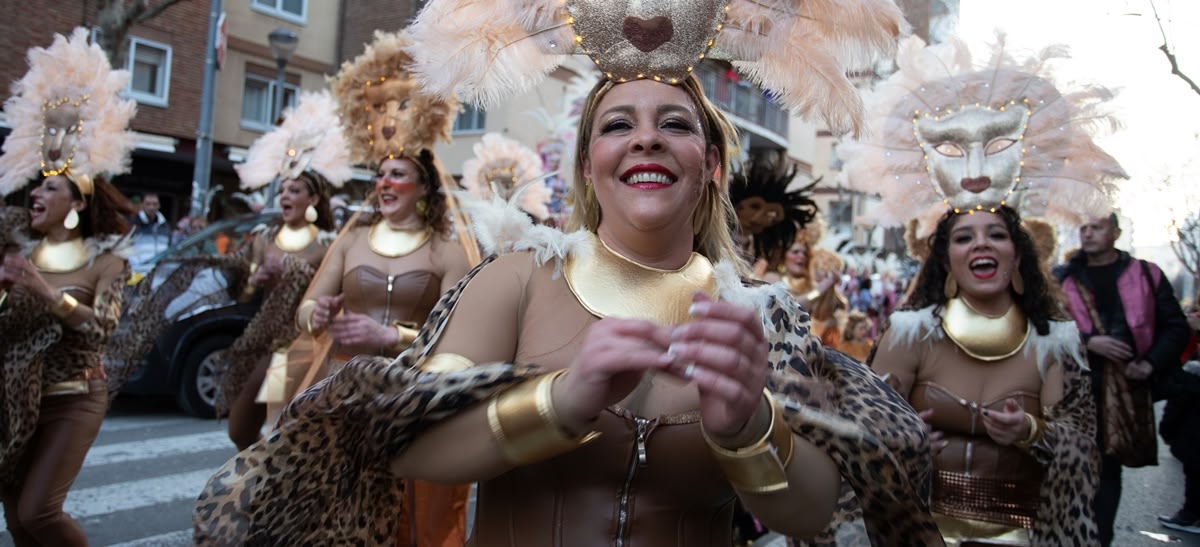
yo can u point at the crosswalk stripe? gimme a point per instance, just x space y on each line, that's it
110 498
178 537
157 448
128 423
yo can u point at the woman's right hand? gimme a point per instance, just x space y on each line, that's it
326 309
268 273
937 439
612 359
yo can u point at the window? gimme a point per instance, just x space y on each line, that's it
289 10
258 102
150 64
470 120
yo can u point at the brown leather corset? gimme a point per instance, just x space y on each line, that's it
406 298
975 477
642 483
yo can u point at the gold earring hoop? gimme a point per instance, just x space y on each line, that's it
950 287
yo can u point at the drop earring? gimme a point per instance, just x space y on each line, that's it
72 220
310 214
950 288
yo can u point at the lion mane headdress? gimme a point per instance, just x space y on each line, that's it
386 112
950 135
504 168
68 117
310 138
485 51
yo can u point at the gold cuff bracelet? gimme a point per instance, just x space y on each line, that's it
760 467
525 425
66 304
1037 429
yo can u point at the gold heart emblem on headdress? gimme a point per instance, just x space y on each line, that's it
635 39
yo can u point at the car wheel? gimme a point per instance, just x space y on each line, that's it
201 377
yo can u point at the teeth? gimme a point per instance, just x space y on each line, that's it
646 176
980 262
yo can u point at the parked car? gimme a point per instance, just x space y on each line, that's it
204 320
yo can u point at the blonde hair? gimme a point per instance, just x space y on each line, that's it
714 216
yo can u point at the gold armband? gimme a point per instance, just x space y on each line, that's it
405 336
304 315
66 304
761 467
444 362
1037 429
525 425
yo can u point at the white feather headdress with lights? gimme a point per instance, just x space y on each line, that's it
310 138
801 50
948 134
506 167
67 116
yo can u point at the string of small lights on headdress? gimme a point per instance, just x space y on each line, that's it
503 167
949 135
67 116
800 50
767 211
310 138
385 112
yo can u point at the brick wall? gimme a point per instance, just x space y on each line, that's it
361 17
183 26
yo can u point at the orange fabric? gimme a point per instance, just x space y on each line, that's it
440 511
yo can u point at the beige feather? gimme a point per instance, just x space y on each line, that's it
310 137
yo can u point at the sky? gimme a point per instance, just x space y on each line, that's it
1115 43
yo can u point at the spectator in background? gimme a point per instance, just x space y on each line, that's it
151 234
1180 428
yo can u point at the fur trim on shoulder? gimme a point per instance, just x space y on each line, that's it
120 245
910 326
326 237
731 288
1061 344
501 227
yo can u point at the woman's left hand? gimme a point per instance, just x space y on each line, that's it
1006 426
17 271
724 351
356 329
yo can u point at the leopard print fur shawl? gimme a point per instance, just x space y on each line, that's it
322 478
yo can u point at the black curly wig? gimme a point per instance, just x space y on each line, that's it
770 183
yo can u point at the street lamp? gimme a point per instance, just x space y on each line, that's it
283 43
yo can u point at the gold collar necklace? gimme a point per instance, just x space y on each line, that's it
608 284
983 337
290 240
60 256
392 243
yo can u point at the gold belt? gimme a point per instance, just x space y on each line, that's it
79 384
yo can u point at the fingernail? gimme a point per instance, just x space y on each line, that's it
673 350
698 308
678 333
689 371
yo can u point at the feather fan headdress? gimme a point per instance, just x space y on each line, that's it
485 51
384 110
505 166
950 135
310 138
68 117
768 211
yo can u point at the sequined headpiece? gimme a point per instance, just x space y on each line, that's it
505 166
68 117
800 50
949 135
385 112
310 138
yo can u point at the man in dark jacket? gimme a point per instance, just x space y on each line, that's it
1128 317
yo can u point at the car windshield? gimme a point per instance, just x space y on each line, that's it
204 242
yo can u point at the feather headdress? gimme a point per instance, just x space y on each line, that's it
485 51
767 211
384 110
310 138
950 135
68 116
506 167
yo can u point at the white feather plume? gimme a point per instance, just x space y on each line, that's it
310 137
500 158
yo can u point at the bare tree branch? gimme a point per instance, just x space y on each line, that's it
1187 247
1166 49
116 17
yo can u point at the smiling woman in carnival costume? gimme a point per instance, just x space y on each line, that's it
61 279
981 346
617 384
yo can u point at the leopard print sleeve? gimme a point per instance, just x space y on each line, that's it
96 322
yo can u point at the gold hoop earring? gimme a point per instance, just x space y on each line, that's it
72 220
1018 282
950 287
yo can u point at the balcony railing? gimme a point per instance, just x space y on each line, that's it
742 98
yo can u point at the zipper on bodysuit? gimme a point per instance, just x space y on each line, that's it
644 426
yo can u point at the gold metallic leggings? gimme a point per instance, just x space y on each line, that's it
66 428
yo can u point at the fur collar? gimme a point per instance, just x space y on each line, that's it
908 327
